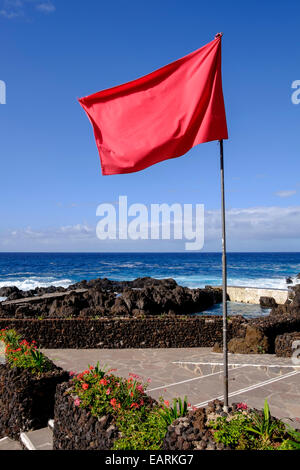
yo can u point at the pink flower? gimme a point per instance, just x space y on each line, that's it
77 402
135 376
242 406
149 380
108 391
71 373
140 388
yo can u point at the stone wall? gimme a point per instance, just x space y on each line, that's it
154 332
76 429
27 400
149 332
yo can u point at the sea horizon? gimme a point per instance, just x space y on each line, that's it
28 270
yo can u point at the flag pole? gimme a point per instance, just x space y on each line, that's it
224 282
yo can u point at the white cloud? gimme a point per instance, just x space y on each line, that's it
45 7
17 8
252 229
286 193
258 223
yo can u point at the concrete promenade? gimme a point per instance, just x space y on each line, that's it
197 373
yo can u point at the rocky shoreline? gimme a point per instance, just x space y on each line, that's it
146 296
143 313
105 298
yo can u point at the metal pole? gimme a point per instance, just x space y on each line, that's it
224 277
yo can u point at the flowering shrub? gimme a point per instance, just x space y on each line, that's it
104 393
142 422
20 353
251 430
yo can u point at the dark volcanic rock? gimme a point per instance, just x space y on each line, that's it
102 297
8 291
254 342
26 399
192 431
292 305
76 429
284 344
267 302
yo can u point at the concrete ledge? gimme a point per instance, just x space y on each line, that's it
251 295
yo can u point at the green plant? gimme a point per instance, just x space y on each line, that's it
22 354
264 426
10 337
141 430
291 444
170 413
233 433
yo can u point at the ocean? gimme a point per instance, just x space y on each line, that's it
30 270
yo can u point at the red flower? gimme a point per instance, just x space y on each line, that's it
167 403
85 386
103 382
242 406
134 405
114 403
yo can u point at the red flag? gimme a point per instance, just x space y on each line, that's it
161 115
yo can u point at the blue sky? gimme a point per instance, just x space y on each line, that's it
53 52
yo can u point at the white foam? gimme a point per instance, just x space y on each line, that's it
267 283
32 283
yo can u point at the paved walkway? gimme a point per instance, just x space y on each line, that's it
197 373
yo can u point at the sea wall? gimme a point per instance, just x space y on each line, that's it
251 295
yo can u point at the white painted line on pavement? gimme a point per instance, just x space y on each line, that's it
235 364
251 387
194 378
